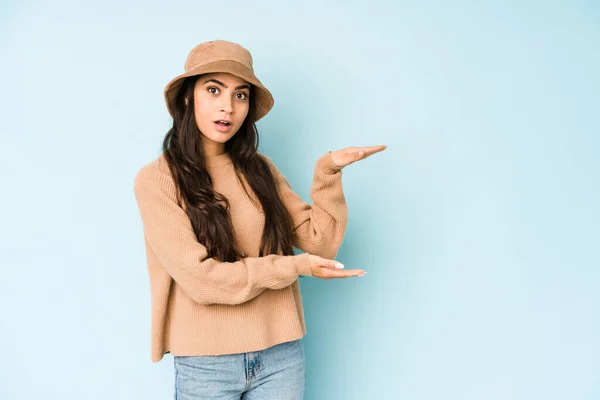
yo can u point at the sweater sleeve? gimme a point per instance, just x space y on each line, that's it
318 228
170 236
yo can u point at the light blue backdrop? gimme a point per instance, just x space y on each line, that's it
478 226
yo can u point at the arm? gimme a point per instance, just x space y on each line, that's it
318 229
169 233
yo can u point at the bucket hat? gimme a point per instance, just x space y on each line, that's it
221 56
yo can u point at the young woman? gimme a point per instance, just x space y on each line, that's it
220 224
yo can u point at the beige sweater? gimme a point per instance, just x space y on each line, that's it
201 306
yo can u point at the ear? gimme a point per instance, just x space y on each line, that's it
186 101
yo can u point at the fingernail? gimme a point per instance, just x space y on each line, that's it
339 265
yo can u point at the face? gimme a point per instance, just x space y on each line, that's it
221 104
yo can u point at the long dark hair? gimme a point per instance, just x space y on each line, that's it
207 209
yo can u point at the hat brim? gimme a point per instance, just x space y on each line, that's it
263 100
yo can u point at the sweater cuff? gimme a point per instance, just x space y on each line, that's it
325 164
303 264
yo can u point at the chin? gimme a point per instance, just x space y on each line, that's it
219 138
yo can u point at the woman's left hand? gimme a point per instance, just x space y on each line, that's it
347 156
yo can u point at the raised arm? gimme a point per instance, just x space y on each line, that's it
170 236
318 228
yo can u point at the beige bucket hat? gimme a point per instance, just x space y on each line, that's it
221 56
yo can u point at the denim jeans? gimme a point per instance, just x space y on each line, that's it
276 373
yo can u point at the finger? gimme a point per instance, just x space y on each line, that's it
332 273
360 153
354 155
370 150
348 274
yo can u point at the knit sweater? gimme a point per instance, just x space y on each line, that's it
202 306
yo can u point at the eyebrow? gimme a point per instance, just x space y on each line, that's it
225 86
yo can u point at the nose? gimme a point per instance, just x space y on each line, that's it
227 105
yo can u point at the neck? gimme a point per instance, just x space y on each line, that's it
217 160
214 149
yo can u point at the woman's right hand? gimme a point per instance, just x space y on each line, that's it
329 269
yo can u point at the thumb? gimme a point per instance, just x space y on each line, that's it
334 264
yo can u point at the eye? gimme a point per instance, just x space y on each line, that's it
242 96
213 90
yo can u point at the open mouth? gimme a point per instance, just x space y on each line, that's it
222 123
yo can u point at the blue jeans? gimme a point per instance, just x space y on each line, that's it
274 373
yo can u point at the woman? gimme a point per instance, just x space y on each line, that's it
220 223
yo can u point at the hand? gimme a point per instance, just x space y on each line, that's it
347 156
328 269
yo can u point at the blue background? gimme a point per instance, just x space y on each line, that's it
478 226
